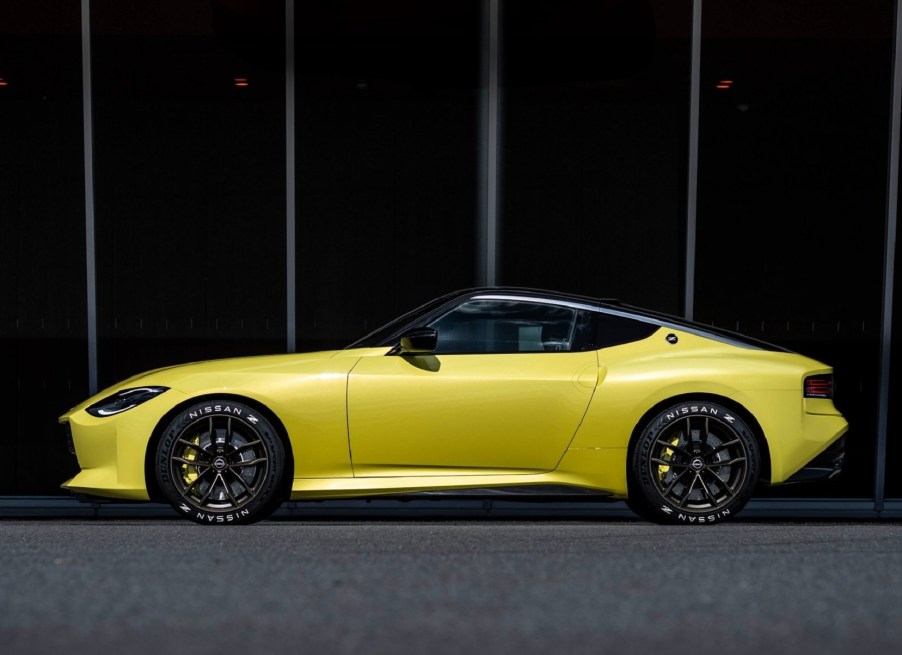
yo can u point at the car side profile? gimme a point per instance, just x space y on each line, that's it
487 390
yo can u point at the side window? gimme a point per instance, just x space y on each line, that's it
613 330
505 326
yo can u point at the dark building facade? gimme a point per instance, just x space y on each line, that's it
190 179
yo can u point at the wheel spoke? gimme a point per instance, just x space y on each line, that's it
674 482
199 478
190 462
724 446
190 444
722 483
664 462
688 491
253 462
695 436
227 488
204 498
726 462
241 481
238 449
673 447
706 490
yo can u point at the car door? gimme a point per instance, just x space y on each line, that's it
504 391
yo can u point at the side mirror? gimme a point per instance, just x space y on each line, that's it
419 341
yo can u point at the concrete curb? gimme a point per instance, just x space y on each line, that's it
45 507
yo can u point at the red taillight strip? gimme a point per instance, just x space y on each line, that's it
819 386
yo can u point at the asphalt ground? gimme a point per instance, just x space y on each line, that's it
449 586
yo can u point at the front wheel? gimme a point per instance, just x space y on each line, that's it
221 461
694 462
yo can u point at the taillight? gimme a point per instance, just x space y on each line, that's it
819 386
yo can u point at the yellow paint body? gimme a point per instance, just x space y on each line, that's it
366 422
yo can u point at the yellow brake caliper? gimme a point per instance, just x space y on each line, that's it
667 456
189 472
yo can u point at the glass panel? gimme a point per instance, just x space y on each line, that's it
595 106
505 326
42 254
617 330
387 109
189 114
792 193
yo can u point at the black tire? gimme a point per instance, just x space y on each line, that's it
696 462
221 462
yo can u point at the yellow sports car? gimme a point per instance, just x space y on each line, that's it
493 390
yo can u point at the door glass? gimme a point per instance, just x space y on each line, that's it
505 326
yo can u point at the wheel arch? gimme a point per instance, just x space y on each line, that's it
150 478
729 403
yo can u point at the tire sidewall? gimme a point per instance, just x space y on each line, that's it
269 495
645 498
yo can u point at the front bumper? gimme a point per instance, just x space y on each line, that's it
111 451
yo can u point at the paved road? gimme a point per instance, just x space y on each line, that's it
435 587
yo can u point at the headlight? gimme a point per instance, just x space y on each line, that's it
124 400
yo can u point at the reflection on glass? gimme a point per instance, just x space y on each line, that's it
792 189
190 181
43 346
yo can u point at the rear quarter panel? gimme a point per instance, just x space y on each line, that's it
640 377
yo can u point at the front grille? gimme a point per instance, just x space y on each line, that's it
67 434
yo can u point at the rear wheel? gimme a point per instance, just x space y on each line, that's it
695 462
221 461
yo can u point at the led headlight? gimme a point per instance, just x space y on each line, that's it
124 400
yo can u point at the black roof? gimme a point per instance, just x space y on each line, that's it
668 320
